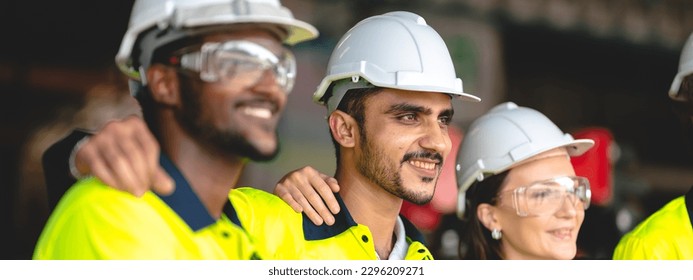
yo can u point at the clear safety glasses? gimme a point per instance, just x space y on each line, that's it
240 62
548 196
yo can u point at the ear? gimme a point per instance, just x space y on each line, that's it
486 213
343 128
163 84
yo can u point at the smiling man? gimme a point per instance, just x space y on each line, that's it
388 92
212 78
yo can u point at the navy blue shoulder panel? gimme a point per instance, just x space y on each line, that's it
343 221
183 200
412 232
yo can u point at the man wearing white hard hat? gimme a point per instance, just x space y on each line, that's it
212 78
667 234
388 91
388 96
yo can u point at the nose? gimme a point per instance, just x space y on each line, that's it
436 139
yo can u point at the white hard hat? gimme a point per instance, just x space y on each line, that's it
504 137
685 69
176 19
394 50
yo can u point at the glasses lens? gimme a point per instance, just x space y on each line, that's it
547 197
285 71
243 63
240 68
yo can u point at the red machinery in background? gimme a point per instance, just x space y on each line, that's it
600 230
597 163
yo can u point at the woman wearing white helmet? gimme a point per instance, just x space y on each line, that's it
518 192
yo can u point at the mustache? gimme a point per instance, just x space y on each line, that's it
423 154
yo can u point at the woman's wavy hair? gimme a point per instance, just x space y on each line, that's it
476 243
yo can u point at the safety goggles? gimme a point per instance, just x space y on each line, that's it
548 196
240 62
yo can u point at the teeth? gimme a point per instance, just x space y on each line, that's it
562 234
262 113
424 165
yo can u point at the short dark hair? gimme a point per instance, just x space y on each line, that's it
354 104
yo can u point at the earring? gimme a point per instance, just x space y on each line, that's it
496 234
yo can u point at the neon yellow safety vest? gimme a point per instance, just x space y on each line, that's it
665 235
95 221
281 233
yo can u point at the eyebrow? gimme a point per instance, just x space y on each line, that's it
406 107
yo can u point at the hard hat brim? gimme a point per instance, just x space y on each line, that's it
297 31
579 147
574 148
327 81
676 86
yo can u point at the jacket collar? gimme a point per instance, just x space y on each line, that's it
187 204
344 221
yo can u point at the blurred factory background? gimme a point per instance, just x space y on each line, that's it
584 63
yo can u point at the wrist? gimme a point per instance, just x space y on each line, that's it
74 171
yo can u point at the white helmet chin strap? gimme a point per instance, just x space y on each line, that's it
341 87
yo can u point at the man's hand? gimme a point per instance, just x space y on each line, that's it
309 191
125 155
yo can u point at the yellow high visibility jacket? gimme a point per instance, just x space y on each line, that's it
665 235
95 221
281 233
